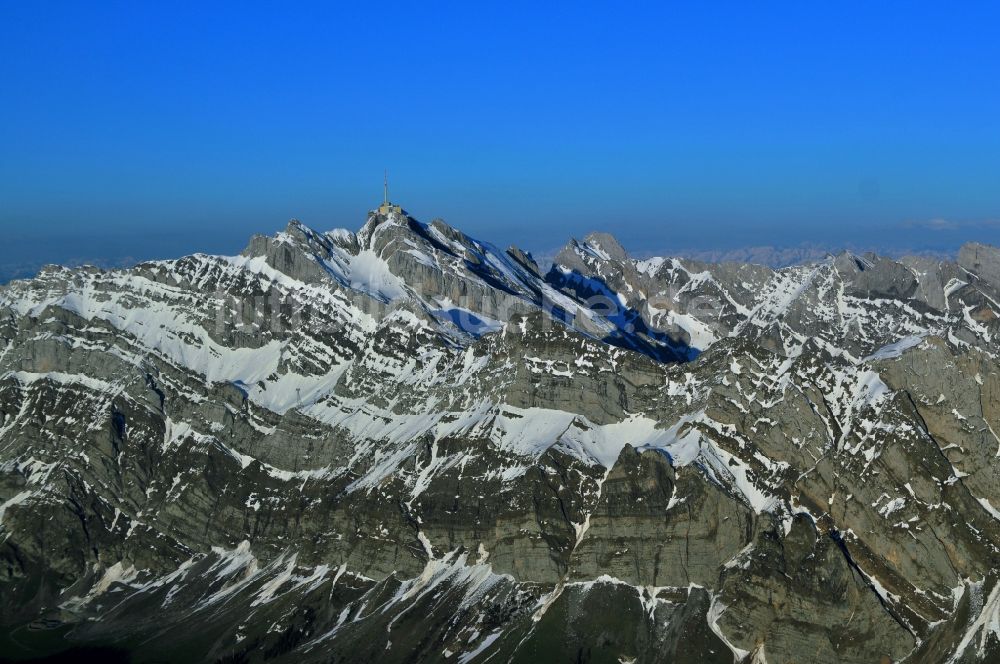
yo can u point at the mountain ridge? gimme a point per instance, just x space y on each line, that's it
404 443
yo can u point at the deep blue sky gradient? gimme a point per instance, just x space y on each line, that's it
153 129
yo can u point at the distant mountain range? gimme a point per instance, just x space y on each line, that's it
771 256
787 256
404 444
28 269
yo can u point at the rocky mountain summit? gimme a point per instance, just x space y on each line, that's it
404 444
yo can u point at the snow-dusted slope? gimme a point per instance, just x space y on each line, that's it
403 443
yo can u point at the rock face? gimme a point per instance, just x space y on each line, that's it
403 444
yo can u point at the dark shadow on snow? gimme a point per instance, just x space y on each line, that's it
631 331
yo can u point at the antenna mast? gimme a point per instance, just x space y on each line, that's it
385 188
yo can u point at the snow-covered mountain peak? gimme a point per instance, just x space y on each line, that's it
605 245
379 222
336 441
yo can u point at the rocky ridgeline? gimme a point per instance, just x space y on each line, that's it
403 444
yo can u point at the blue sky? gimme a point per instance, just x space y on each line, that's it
146 129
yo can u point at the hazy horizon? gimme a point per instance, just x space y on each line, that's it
129 247
136 131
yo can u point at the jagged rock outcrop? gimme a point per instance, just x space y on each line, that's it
402 444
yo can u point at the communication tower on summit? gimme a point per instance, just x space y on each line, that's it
387 208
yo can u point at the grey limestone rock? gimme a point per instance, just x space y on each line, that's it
403 444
